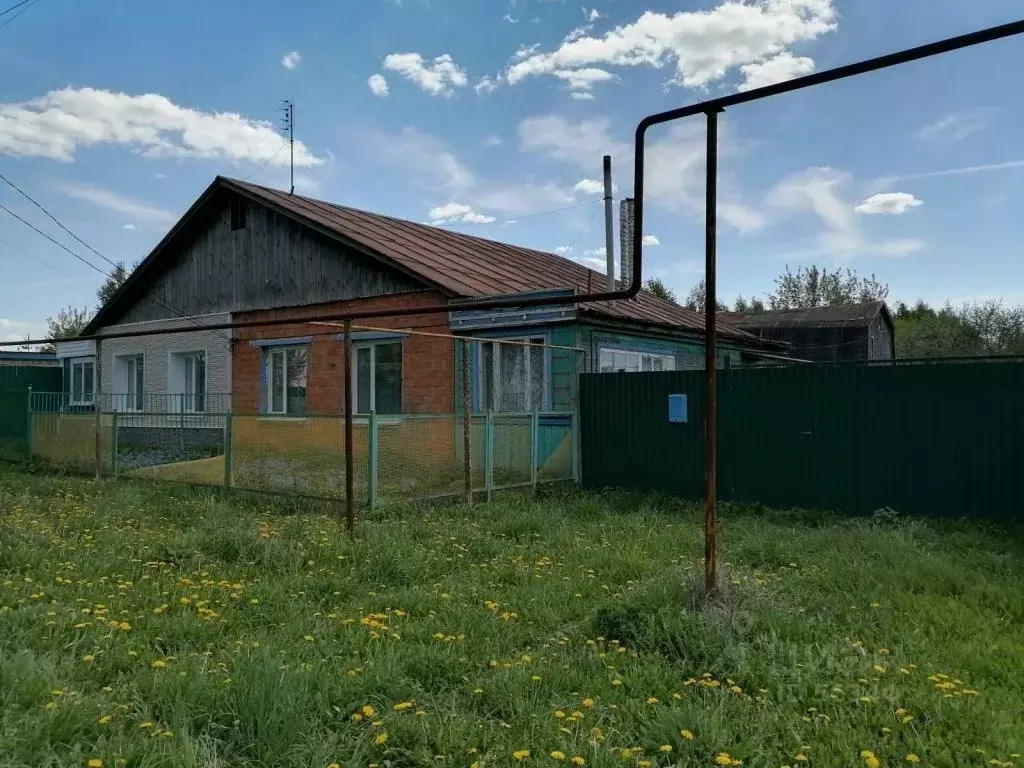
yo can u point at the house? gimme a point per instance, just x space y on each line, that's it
850 332
246 254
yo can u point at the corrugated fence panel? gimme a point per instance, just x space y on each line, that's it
941 438
18 378
14 426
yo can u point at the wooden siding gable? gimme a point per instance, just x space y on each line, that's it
272 261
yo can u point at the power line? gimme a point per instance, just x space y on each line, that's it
29 255
164 304
16 5
27 4
556 210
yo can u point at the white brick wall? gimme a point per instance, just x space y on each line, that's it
157 351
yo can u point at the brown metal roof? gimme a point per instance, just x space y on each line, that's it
467 266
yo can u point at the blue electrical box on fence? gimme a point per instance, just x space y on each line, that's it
677 409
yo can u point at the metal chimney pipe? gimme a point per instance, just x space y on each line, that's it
609 223
626 240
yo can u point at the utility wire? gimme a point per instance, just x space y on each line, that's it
166 305
16 5
29 255
29 4
556 210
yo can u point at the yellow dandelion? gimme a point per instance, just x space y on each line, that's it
95 763
381 738
159 664
578 760
105 719
869 758
665 748
402 706
801 757
626 753
521 754
356 717
587 703
556 755
723 758
912 758
368 711
643 764
686 734
334 765
50 706
88 659
652 700
145 724
560 714
616 683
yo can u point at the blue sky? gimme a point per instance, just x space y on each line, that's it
491 116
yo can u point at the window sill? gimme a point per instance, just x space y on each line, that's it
282 417
385 420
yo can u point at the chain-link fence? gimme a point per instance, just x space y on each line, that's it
396 458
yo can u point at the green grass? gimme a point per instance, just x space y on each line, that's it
143 625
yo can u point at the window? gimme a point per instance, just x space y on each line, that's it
129 378
513 376
82 382
629 361
377 378
188 380
285 380
237 213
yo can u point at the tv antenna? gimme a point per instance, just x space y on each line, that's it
288 121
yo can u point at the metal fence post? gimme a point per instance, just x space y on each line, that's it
113 444
97 408
577 460
29 424
489 454
371 484
228 441
534 447
467 420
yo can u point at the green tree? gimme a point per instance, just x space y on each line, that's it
978 328
66 323
656 287
696 299
114 281
815 286
748 305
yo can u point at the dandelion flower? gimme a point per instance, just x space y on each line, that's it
159 664
616 683
104 720
368 711
50 707
652 700
587 703
665 748
578 760
723 758
402 706
912 758
381 738
145 724
334 765
801 757
88 659
521 754
869 759
686 734
556 755
95 763
560 714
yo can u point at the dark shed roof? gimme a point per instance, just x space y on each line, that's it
458 265
849 315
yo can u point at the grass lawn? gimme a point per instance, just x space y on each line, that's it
146 625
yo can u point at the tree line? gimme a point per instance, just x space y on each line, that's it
971 329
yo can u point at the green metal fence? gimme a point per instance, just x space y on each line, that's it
937 439
395 458
14 423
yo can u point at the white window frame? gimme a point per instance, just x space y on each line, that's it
178 372
354 368
81 362
523 341
639 354
130 401
269 353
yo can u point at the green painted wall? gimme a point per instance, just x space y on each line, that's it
934 439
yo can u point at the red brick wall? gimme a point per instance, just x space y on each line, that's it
427 363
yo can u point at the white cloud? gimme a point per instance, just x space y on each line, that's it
563 249
891 203
509 18
452 213
966 171
525 51
582 144
580 81
291 60
493 141
577 33
819 191
378 85
488 84
522 198
593 14
439 77
776 69
419 155
595 252
703 45
589 187
104 198
58 124
130 227
651 240
952 127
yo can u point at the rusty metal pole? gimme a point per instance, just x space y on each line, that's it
711 359
350 501
467 422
